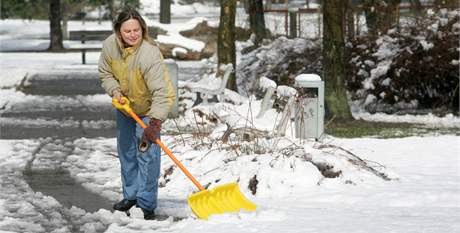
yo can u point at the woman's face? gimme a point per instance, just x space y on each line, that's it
131 32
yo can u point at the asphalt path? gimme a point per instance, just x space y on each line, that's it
62 107
66 104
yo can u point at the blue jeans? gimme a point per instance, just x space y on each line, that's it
139 170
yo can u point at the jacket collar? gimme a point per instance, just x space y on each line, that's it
126 52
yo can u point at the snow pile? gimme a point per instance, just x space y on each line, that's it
281 61
283 172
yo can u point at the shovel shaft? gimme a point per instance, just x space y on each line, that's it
168 152
179 164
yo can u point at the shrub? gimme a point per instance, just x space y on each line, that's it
409 70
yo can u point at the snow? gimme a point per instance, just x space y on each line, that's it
178 50
178 9
426 45
285 91
424 197
36 32
14 70
429 120
182 41
307 78
266 83
292 194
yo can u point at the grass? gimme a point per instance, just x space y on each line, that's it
360 128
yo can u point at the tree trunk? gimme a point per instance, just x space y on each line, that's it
416 5
333 60
55 25
381 15
165 11
388 16
256 19
350 17
370 13
226 38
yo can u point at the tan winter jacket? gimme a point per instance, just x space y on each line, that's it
140 74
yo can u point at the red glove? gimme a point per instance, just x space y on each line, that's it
152 132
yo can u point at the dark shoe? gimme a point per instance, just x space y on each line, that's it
149 214
124 205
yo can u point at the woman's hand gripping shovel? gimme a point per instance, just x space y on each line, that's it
221 199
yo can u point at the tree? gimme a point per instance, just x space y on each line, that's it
24 9
333 60
371 16
389 16
135 4
416 5
256 19
55 25
165 11
446 4
350 17
381 15
226 38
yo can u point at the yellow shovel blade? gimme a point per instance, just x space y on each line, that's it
221 199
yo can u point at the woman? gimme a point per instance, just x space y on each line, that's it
131 65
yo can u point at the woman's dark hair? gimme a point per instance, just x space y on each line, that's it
126 15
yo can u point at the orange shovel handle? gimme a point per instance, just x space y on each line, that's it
167 151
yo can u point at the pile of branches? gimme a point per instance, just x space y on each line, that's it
410 70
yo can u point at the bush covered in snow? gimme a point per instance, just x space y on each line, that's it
411 69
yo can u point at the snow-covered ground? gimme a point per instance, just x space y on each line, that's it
292 196
417 190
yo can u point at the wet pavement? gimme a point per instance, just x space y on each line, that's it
66 190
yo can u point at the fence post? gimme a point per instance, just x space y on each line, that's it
319 21
292 24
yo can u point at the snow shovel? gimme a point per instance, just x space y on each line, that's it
221 199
